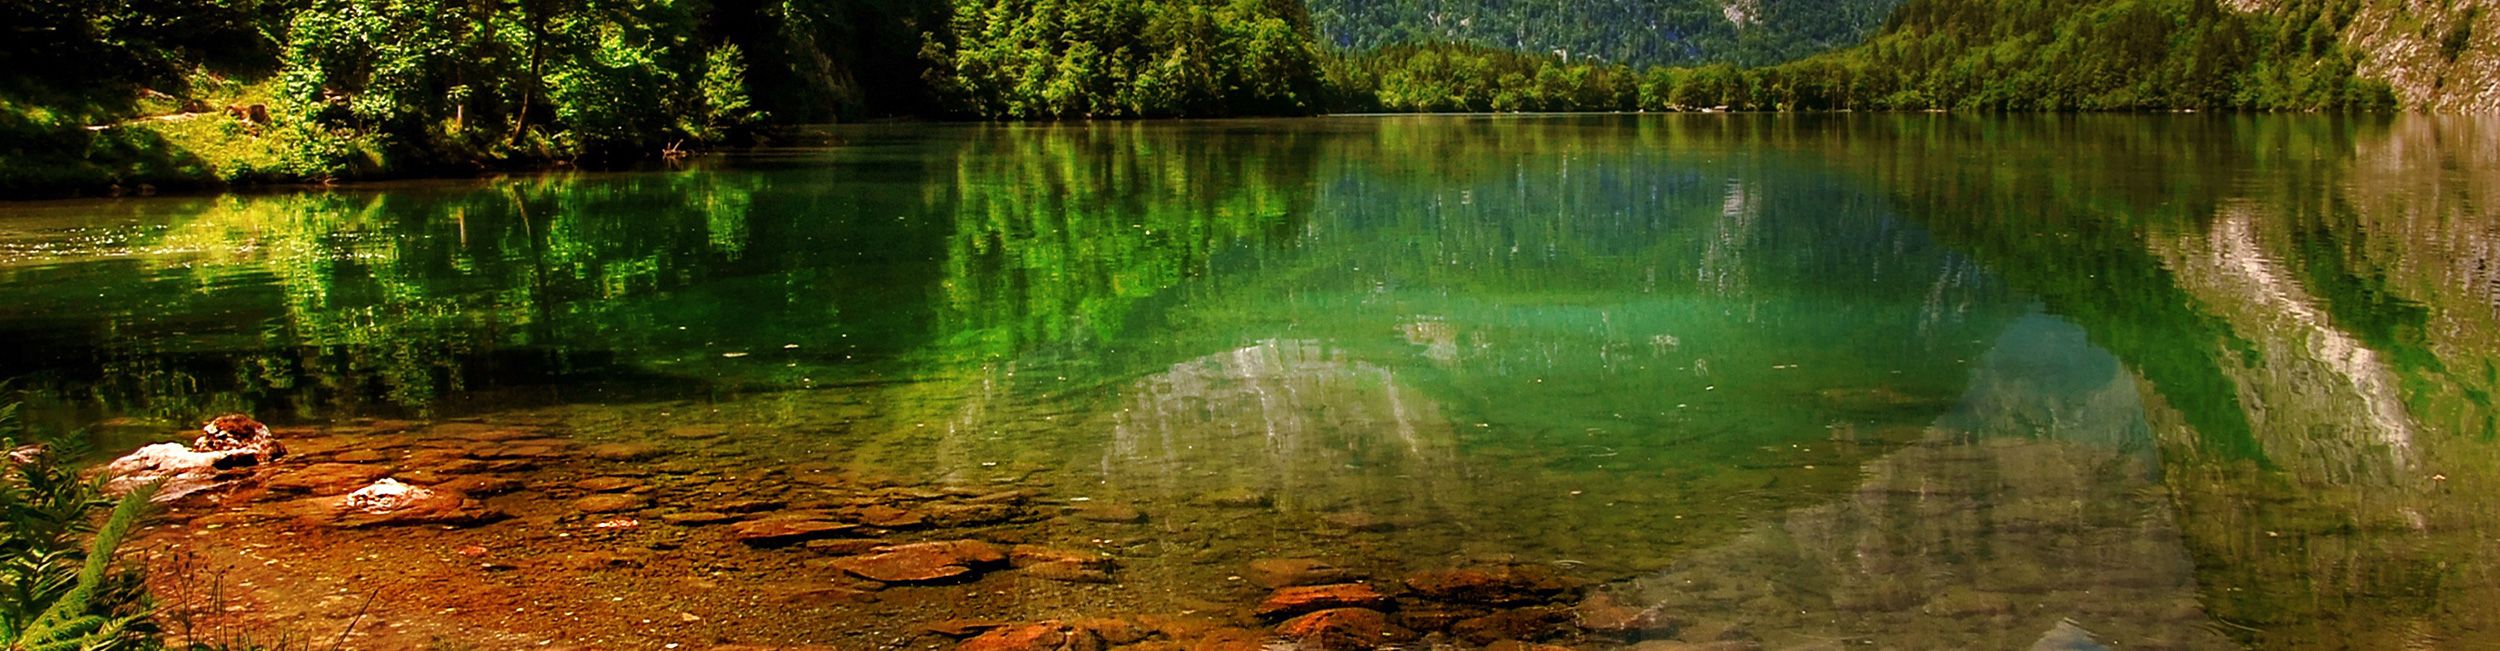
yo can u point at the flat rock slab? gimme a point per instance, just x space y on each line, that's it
786 531
1496 585
610 503
1302 599
622 451
608 484
1273 573
1342 629
922 562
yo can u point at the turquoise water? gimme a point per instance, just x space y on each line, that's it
1909 381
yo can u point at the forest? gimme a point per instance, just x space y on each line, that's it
133 95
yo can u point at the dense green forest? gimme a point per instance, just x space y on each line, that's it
108 94
1632 32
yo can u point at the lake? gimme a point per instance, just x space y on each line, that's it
1839 381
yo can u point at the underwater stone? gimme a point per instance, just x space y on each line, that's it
775 532
1303 599
1342 628
610 503
1272 573
922 562
1499 585
607 484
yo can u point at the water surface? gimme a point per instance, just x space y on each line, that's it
1910 381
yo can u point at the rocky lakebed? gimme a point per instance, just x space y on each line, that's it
511 535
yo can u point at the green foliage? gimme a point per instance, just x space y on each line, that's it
539 78
60 592
1453 77
1147 58
2460 34
1632 32
1973 55
725 105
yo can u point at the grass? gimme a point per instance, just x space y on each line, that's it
66 144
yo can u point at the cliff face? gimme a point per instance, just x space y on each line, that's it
2440 55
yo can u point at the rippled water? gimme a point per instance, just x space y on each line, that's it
1911 381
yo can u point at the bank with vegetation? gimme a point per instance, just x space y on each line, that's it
125 96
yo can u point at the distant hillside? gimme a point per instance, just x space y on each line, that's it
2441 55
1636 32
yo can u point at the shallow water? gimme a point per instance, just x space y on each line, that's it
1902 381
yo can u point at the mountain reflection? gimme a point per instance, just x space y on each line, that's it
1914 380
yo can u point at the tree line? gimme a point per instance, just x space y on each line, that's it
331 88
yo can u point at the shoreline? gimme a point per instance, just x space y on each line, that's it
194 187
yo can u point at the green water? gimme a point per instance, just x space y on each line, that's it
1907 380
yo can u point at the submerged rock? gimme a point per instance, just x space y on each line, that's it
2066 636
887 517
1037 636
846 546
1533 623
610 503
622 451
1497 585
385 495
388 502
1235 498
1273 573
776 532
1061 564
962 628
1601 613
608 484
1342 628
1303 599
923 562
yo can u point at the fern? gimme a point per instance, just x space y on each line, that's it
60 594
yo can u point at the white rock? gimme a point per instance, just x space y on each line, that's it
384 496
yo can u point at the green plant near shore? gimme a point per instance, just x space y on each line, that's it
62 589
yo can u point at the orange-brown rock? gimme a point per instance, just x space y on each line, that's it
1231 639
922 562
608 484
1601 613
1532 623
622 451
610 503
1342 628
1302 599
1038 636
775 532
1495 585
887 517
960 628
1515 645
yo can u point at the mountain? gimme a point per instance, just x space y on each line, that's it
2438 55
1635 32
